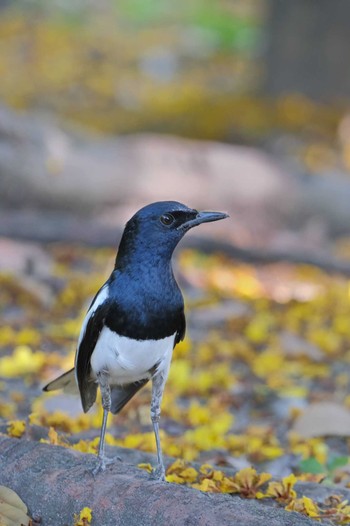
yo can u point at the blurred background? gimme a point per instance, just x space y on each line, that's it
232 71
93 94
124 67
235 105
190 69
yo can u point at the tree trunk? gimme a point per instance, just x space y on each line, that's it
308 43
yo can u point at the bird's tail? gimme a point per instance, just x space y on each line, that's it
121 394
66 382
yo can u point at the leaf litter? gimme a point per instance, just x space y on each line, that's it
242 386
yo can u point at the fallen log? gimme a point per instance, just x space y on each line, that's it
48 166
56 483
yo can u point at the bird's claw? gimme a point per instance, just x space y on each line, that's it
102 463
158 473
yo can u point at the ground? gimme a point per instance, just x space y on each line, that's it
266 352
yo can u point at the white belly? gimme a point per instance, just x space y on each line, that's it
126 360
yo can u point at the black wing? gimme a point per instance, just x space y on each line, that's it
87 386
181 331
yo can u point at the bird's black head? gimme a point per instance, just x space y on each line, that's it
155 230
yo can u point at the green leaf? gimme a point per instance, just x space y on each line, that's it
337 462
312 465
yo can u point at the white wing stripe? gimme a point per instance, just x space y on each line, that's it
99 300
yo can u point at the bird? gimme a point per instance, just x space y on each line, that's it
135 320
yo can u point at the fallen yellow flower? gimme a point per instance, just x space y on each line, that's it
304 505
84 518
16 428
282 491
146 467
23 361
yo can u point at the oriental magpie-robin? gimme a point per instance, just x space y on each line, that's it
136 318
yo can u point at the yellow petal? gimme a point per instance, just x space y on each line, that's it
146 467
16 428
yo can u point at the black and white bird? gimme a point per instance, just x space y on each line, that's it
136 318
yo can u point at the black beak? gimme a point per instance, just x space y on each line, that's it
203 217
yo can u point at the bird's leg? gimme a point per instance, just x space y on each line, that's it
102 460
158 383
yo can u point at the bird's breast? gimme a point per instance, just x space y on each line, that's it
144 321
127 360
144 305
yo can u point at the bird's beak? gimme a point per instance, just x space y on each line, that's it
203 217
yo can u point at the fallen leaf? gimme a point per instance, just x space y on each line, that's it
13 511
322 419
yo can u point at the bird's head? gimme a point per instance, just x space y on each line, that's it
157 228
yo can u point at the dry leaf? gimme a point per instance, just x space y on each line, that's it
13 511
322 419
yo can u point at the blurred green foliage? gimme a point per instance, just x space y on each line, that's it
128 66
233 24
132 65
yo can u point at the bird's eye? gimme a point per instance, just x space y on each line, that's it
167 219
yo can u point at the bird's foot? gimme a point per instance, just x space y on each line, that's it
158 473
102 463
